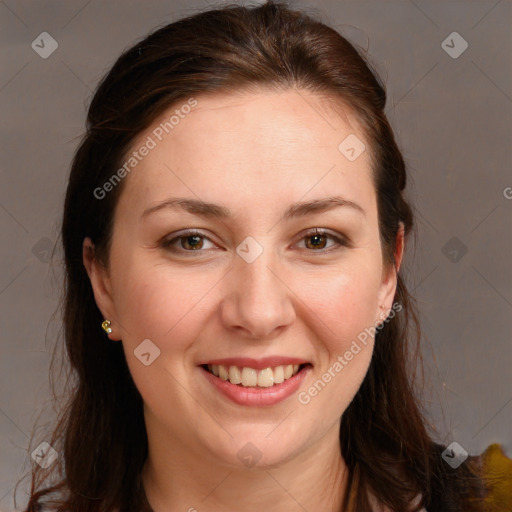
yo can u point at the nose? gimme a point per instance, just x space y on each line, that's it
259 303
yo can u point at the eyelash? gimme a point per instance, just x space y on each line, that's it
168 244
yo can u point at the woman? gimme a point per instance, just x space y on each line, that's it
235 318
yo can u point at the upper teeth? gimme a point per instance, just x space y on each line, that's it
250 377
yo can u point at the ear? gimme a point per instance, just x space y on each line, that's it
390 277
101 286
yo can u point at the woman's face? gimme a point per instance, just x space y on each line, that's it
253 286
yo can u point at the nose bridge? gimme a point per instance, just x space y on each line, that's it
262 303
258 280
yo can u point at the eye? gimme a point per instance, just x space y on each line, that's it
194 241
317 240
189 241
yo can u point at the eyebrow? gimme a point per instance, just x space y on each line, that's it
212 210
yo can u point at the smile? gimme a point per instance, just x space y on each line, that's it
255 383
250 377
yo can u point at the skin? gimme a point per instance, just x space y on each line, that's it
256 153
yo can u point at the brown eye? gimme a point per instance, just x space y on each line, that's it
318 241
187 243
192 242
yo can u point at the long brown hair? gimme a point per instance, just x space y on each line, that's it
100 434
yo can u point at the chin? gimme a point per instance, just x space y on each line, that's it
254 447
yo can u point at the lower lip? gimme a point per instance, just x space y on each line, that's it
255 396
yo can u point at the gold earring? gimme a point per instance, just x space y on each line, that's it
106 326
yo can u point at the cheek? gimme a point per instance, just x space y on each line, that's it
167 308
156 303
342 311
343 307
344 301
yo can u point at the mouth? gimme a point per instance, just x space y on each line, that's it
249 377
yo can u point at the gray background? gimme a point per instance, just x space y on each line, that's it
452 118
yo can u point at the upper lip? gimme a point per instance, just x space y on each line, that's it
257 364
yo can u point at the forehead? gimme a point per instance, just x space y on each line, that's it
267 117
252 142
